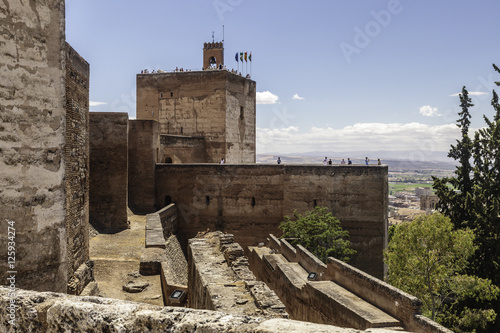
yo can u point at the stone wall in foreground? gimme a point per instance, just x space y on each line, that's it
52 312
32 142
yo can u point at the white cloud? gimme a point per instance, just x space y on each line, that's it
472 93
296 96
362 136
266 97
429 111
91 103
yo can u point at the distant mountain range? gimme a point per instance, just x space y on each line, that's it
396 160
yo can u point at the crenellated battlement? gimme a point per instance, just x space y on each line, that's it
213 45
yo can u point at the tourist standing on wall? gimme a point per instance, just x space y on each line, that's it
366 160
330 162
279 160
342 162
378 162
325 161
222 160
349 162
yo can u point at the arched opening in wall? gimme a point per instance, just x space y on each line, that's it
242 112
207 200
253 201
213 62
168 200
315 203
168 160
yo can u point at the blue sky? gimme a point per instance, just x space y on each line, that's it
332 75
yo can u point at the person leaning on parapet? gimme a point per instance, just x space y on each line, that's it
367 160
342 162
325 161
349 162
221 160
330 162
378 162
279 160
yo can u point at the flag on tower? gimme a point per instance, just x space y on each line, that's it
250 56
246 57
241 56
236 57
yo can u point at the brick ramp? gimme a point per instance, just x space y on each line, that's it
332 303
361 314
174 271
154 232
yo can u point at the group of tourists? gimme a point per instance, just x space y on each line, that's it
327 161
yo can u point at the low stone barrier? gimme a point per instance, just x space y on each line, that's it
40 312
160 225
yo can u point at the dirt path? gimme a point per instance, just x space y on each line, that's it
117 257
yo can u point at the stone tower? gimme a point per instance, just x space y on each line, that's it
203 115
213 55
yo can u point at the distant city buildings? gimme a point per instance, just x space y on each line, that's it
406 205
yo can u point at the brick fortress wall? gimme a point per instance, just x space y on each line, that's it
32 138
250 201
77 166
143 151
108 170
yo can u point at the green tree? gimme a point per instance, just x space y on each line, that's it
427 258
476 204
320 233
462 152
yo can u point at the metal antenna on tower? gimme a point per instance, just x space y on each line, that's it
223 44
213 33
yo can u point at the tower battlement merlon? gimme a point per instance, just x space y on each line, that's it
213 45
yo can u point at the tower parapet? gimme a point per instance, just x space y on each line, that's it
213 55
